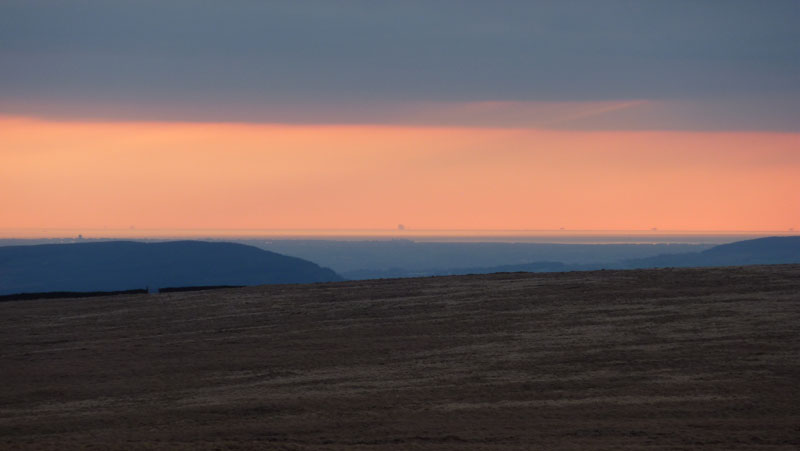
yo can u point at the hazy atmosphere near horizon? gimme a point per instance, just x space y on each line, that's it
437 115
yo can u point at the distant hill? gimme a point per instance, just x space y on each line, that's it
124 265
391 273
407 258
761 251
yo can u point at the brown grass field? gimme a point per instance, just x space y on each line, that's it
648 359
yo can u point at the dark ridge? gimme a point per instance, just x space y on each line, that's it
772 250
125 265
66 294
197 288
543 266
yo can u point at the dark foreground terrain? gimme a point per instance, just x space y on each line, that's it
645 359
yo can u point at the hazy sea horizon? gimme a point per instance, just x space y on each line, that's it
564 236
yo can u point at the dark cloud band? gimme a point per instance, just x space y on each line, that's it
269 60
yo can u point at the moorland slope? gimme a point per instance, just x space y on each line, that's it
642 359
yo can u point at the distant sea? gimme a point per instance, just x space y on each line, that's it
455 236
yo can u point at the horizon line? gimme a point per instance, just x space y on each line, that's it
8 233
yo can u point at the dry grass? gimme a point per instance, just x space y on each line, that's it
655 359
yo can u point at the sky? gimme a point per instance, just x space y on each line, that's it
469 115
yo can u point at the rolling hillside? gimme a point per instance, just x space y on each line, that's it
700 359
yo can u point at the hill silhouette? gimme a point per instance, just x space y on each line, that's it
760 251
124 265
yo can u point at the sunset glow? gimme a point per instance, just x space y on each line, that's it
162 175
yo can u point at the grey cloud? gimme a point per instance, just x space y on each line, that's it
241 55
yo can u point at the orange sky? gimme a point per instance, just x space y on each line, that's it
236 176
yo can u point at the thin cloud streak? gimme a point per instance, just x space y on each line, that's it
776 115
593 111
